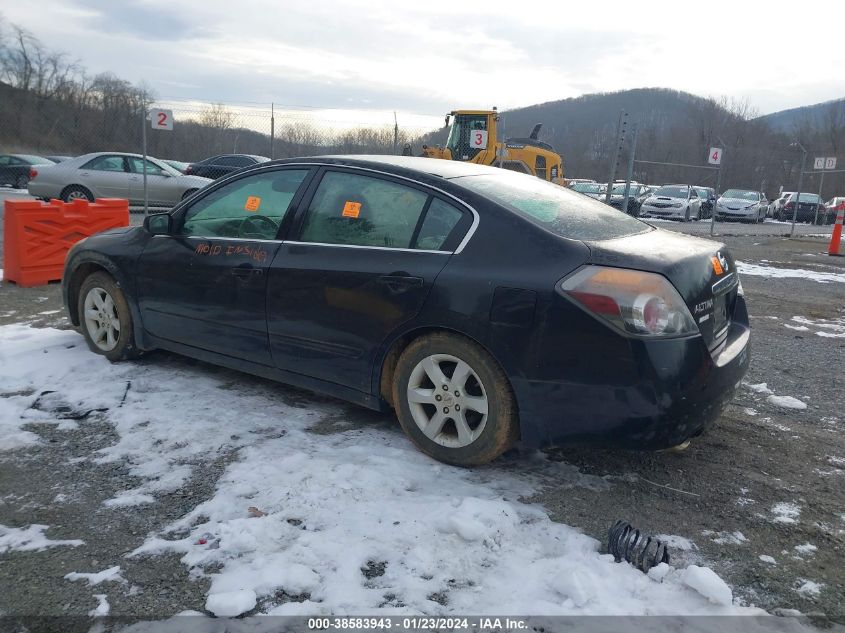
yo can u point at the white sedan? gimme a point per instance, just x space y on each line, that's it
743 205
676 202
113 175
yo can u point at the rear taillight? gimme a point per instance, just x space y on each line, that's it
632 301
32 173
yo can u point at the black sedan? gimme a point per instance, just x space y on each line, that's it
482 305
14 168
223 165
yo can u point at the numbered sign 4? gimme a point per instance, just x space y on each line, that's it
715 156
478 139
161 119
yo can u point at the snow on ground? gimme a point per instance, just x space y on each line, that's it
102 609
767 559
787 402
786 512
826 328
726 538
809 587
30 539
354 521
762 270
112 574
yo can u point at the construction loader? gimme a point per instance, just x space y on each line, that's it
473 137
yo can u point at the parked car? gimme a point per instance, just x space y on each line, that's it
178 165
59 159
591 189
708 200
676 202
218 166
635 198
743 205
776 205
810 207
483 306
113 175
833 204
14 168
575 181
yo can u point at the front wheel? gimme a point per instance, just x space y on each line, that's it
105 318
21 182
454 401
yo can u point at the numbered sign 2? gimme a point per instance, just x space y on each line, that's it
161 119
715 156
478 139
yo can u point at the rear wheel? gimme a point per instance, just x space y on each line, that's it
454 401
21 181
105 318
76 192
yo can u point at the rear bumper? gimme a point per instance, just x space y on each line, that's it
660 394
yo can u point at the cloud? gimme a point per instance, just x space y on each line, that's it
434 56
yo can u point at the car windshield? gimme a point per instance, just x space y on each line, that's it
806 197
673 191
587 187
620 190
742 194
554 208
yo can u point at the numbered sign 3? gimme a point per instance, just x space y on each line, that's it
161 119
478 139
715 156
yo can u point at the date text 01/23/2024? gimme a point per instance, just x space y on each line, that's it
420 623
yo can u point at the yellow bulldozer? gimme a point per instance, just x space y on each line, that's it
473 137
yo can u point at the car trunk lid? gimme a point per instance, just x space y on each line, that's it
702 271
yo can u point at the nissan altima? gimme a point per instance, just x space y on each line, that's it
481 305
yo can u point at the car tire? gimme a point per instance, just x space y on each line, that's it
105 318
467 437
21 182
189 193
76 192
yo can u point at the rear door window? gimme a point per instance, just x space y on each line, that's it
105 163
554 208
354 209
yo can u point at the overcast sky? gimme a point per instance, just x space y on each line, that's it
430 56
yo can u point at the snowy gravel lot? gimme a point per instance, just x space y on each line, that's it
164 485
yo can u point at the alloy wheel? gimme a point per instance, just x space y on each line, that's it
447 400
101 319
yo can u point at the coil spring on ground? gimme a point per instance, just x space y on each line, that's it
643 552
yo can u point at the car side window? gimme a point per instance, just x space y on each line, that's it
136 165
105 163
4 160
440 219
362 210
249 208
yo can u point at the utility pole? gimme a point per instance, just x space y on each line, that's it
718 185
614 163
144 151
395 134
630 174
821 184
272 130
800 182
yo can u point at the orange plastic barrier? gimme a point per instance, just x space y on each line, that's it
38 235
836 237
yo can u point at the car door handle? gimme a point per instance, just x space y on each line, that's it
246 273
399 283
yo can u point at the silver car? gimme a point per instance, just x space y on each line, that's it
113 175
743 205
676 202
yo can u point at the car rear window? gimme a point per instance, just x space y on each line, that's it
553 207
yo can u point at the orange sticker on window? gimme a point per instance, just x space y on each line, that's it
351 209
252 203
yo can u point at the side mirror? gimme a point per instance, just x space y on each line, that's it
158 223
